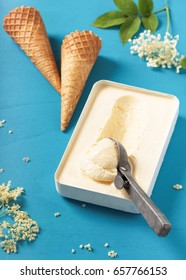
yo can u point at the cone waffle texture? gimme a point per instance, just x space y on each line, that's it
25 26
79 52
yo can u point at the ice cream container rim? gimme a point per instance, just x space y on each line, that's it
62 188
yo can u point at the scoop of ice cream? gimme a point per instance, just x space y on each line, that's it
100 161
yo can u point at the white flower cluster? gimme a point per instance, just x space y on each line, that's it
157 52
23 228
6 195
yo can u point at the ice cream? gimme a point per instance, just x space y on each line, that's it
100 161
125 123
142 121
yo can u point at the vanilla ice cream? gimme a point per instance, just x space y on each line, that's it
141 120
125 123
100 161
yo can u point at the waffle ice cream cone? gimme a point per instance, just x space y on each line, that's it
79 52
25 26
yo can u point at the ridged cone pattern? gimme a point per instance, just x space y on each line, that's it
25 26
79 52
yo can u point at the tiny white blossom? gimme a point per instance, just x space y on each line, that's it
112 254
88 247
2 122
26 159
57 214
177 187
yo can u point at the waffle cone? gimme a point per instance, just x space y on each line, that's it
25 26
79 52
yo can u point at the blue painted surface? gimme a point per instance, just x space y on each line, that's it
31 108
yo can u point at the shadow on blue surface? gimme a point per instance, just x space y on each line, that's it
56 48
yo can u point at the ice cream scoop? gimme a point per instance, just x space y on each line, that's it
100 161
152 214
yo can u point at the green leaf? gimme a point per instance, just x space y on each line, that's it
109 19
129 28
150 22
145 7
183 63
128 7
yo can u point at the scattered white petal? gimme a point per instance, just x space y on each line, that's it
10 131
1 170
26 159
81 246
57 214
88 247
177 187
2 122
73 251
112 254
106 245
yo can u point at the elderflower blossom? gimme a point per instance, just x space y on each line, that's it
157 52
26 159
177 187
88 247
7 195
23 227
112 254
2 122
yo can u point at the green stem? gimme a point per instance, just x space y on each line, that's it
2 212
3 209
168 16
161 10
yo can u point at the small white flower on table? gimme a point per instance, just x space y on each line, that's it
57 214
177 187
112 254
26 159
88 247
2 122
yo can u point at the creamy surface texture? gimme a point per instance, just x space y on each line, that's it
125 123
100 161
140 120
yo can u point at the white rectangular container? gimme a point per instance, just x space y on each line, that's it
149 119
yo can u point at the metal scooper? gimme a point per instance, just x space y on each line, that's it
151 213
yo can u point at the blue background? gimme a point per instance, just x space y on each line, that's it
31 108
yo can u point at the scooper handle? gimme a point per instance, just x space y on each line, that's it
151 213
